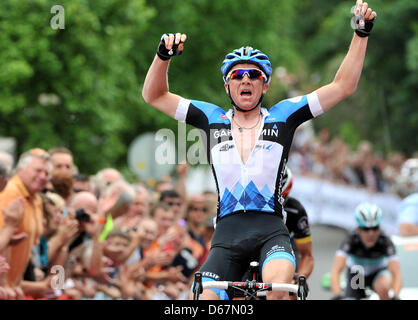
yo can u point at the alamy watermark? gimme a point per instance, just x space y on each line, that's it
358 279
58 281
193 147
358 17
58 20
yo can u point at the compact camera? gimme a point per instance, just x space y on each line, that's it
82 216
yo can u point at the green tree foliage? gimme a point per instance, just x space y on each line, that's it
81 86
383 109
215 28
87 69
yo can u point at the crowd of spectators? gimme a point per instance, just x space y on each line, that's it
68 235
65 235
332 159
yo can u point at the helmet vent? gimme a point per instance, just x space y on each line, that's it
363 215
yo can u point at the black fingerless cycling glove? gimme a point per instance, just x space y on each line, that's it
165 54
363 31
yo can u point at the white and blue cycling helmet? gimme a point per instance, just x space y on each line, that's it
247 55
368 215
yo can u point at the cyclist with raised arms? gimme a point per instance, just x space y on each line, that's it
248 147
369 257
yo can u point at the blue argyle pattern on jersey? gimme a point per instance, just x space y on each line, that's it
248 198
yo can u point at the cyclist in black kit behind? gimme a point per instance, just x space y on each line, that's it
248 147
297 223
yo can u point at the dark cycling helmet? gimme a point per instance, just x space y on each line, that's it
246 55
286 183
368 215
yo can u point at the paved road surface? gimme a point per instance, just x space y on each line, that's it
325 241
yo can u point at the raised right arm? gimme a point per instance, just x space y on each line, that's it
155 91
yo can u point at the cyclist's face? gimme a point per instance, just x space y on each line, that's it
369 237
246 92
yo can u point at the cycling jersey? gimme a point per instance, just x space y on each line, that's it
297 221
371 259
255 185
298 225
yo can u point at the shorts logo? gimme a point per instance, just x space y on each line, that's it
275 249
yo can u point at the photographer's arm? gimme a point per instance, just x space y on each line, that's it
60 242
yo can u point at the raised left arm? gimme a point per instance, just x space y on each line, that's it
348 75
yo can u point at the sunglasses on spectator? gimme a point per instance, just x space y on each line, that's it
367 229
170 203
198 209
253 74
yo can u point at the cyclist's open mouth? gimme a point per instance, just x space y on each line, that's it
246 93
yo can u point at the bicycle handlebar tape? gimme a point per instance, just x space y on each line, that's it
362 27
163 53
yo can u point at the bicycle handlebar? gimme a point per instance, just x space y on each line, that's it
301 289
245 285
